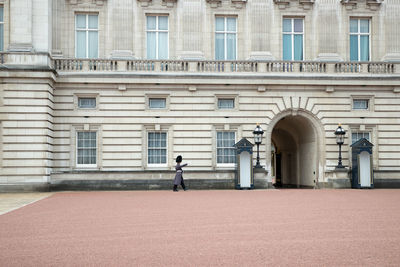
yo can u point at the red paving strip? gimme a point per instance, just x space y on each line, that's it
205 228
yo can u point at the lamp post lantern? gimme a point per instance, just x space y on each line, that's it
258 132
340 132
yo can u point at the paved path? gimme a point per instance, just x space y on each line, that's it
205 228
12 201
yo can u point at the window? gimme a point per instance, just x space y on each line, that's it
225 148
360 104
157 37
226 103
86 102
225 38
157 148
359 39
1 28
87 36
157 103
293 31
86 149
355 136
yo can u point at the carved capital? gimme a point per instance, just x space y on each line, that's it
96 2
169 3
371 4
305 4
214 3
238 3
144 3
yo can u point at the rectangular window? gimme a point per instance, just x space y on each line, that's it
360 104
86 102
359 40
225 148
157 148
86 149
293 32
355 136
157 103
87 36
157 37
226 103
1 28
225 38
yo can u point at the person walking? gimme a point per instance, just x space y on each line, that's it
178 176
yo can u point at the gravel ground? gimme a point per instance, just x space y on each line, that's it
205 228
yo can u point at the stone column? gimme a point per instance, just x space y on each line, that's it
21 26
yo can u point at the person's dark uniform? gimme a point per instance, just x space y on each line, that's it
178 176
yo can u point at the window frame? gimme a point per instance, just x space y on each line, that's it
292 33
360 99
216 148
156 165
363 133
77 148
157 31
226 98
86 97
225 32
359 34
158 98
86 30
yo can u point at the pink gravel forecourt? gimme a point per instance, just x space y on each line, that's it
288 227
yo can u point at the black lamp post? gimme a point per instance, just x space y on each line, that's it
340 132
258 132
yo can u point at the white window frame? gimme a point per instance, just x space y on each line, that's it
226 98
157 31
369 98
76 150
359 34
158 98
157 165
292 33
86 30
87 97
361 133
84 95
360 99
216 148
225 32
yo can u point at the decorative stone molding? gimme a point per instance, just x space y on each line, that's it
144 3
215 3
371 4
305 4
169 3
76 2
238 3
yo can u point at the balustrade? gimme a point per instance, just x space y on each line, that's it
211 66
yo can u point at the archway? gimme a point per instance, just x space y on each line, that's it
296 158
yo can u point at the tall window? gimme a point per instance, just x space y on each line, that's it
86 149
225 148
293 31
355 136
157 148
87 36
1 28
225 38
359 39
157 37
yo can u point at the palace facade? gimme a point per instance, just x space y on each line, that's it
104 94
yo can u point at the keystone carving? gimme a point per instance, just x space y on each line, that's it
214 3
238 3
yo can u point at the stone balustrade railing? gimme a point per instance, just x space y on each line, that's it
197 66
216 66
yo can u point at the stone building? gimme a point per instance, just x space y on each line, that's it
106 93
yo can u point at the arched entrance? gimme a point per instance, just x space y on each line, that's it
294 139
